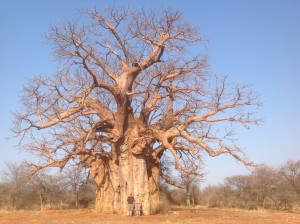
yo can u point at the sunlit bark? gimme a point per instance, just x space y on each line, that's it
127 95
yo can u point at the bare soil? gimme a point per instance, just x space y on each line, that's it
182 216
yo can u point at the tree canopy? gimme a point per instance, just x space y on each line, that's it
131 83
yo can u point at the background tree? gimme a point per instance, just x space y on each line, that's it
290 171
50 189
213 196
190 181
241 188
76 179
128 92
266 188
15 179
265 182
42 191
41 186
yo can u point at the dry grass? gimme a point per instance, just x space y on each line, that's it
186 216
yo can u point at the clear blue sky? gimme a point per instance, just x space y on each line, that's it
257 42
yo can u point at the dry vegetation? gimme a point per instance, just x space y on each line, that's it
133 101
130 110
195 215
267 188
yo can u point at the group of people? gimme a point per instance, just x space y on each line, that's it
134 204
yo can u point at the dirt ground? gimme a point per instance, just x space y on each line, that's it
182 216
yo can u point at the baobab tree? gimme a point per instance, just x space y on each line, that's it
130 89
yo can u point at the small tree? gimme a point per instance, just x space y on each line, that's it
50 189
128 93
75 178
265 183
241 187
40 186
212 196
15 178
290 171
190 182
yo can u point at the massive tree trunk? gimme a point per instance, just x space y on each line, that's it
132 171
106 185
135 174
139 177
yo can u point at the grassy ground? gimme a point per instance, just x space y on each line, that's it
182 216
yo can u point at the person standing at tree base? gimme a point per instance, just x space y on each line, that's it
130 201
137 206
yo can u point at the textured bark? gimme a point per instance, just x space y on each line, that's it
153 173
106 190
130 173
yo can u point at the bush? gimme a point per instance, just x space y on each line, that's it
164 205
